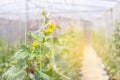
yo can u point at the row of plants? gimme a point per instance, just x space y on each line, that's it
108 49
45 56
6 51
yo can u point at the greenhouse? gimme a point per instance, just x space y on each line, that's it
59 39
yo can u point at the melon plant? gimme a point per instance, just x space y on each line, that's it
34 60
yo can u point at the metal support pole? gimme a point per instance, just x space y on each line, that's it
26 18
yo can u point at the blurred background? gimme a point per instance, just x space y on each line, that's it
98 22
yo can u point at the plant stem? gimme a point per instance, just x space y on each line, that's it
28 67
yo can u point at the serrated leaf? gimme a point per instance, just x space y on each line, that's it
20 55
41 76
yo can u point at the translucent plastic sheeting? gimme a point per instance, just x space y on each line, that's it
107 20
86 9
19 16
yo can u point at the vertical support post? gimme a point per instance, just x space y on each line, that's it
26 25
112 20
26 18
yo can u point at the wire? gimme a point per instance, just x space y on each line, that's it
37 6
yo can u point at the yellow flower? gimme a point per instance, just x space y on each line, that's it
53 26
49 30
34 44
46 31
47 55
49 66
42 40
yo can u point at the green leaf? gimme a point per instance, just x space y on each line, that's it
14 73
34 35
41 76
25 48
21 55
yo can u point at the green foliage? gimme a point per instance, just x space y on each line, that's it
46 56
116 50
32 55
41 55
68 57
108 50
6 52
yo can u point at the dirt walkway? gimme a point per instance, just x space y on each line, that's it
92 68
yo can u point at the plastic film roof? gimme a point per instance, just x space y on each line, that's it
85 9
